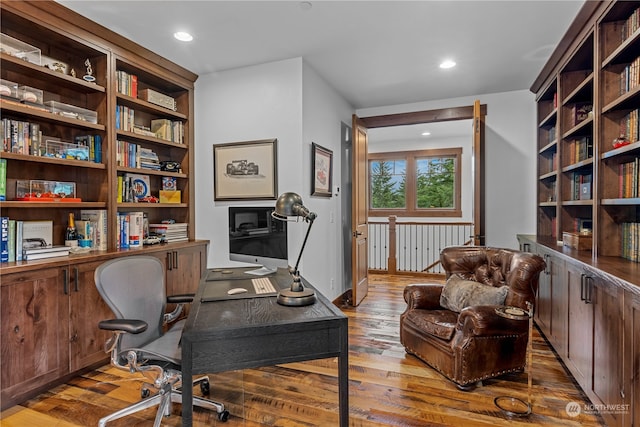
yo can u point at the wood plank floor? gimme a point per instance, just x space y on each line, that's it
387 387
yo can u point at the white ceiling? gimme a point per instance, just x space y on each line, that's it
375 53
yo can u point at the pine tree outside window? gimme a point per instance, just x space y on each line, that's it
415 183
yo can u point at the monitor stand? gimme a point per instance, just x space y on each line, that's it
262 271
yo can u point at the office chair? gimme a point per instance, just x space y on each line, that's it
134 289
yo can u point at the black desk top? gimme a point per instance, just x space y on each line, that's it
208 319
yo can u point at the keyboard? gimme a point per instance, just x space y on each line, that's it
262 285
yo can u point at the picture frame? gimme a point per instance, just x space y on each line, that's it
246 170
321 171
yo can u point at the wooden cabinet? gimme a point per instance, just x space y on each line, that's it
591 319
34 308
86 309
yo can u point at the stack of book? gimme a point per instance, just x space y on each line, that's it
45 252
176 232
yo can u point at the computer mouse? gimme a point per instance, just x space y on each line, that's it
236 291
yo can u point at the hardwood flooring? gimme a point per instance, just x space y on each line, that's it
387 387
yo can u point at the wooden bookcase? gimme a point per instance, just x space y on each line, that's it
61 290
72 39
581 105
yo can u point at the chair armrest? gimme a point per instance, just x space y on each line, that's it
423 296
184 298
482 320
132 326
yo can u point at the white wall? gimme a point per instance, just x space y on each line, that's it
510 160
286 100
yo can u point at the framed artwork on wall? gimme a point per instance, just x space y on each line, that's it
245 170
322 171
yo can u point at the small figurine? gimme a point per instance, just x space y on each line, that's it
73 72
89 76
620 142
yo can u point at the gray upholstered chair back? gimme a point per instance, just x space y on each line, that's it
134 288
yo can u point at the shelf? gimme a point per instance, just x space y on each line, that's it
56 205
548 204
578 165
549 147
627 101
550 119
588 202
627 149
150 139
580 127
134 205
139 104
631 201
31 71
626 52
151 172
546 176
579 94
52 161
28 111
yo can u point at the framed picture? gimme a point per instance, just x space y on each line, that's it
322 171
245 170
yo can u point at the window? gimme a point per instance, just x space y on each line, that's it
415 183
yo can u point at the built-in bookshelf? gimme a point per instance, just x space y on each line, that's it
134 99
588 99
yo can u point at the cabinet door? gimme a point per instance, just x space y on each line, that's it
184 269
607 300
34 330
631 374
559 302
87 308
579 358
543 298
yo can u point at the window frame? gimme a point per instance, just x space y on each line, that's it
411 157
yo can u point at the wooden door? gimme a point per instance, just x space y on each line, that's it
87 308
478 174
33 332
631 341
579 358
542 308
607 299
359 213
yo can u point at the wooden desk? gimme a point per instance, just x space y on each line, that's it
249 333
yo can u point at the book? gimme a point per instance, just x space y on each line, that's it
37 234
45 255
49 249
4 239
12 240
99 218
136 229
3 179
138 185
19 226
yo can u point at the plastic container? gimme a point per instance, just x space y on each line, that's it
35 190
30 94
20 49
72 112
8 88
65 150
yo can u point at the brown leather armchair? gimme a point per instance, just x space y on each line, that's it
477 343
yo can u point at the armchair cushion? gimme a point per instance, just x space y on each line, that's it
459 293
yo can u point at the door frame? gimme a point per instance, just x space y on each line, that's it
476 113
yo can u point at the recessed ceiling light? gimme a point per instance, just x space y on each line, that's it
448 63
305 5
183 36
426 133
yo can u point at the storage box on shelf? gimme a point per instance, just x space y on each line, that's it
35 190
20 49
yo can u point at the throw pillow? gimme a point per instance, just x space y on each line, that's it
459 293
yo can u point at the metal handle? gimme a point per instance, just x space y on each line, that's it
588 290
175 259
77 280
169 261
65 281
357 233
582 283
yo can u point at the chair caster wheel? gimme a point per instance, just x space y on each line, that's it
223 416
204 387
144 393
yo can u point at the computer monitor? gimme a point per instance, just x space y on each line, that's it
255 237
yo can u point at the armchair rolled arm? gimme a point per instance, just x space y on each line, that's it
482 320
132 326
423 295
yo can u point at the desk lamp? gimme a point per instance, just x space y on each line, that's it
289 205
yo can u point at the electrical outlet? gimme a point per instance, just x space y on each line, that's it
332 283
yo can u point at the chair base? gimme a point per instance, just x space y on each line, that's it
163 400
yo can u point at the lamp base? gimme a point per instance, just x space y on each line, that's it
296 298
